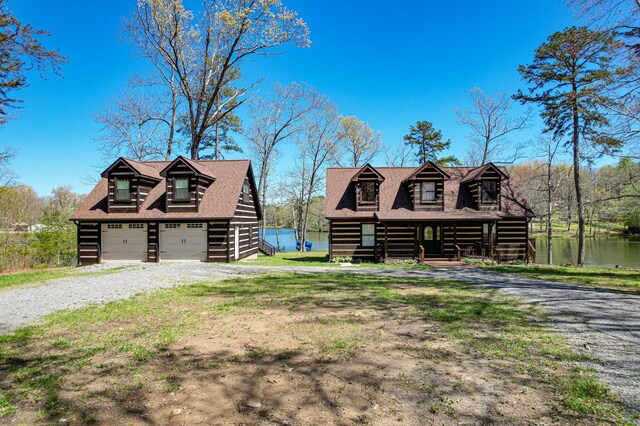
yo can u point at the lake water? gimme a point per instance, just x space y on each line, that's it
600 251
320 240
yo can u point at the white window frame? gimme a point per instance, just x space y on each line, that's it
368 239
175 189
424 192
245 192
128 189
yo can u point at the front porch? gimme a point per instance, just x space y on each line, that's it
430 241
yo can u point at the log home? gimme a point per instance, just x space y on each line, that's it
426 212
170 210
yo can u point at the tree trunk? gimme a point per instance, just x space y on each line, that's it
172 123
195 147
576 179
549 215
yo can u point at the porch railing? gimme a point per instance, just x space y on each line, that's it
266 248
531 250
401 250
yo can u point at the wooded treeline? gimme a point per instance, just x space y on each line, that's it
36 231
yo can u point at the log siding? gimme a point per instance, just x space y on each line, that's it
245 218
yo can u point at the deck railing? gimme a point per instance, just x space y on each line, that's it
401 249
531 250
266 248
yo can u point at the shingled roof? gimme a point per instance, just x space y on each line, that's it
219 200
395 199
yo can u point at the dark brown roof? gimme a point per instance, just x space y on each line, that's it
365 168
219 200
426 165
138 167
395 200
196 167
476 172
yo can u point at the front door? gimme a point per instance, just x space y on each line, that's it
430 239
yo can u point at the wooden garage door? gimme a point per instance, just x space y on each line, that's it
183 241
124 241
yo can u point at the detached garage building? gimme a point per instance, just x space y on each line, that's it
181 210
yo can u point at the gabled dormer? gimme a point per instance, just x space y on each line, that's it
186 183
485 183
426 187
367 188
129 184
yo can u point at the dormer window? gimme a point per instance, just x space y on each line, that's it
428 193
368 192
123 190
181 189
489 192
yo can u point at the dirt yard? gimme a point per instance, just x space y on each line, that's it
299 350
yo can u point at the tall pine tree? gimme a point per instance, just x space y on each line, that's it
571 78
429 143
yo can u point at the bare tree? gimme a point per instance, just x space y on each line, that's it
492 123
553 178
275 121
399 156
205 56
316 143
359 144
7 175
134 126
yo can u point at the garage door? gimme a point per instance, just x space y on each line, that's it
183 241
124 241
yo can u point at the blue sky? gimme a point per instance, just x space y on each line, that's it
389 63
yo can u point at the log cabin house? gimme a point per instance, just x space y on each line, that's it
428 212
170 210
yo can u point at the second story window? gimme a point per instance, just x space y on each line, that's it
181 190
245 193
123 190
489 191
428 194
368 192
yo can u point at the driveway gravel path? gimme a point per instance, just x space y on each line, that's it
602 323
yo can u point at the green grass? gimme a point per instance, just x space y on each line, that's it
30 277
594 276
318 258
36 361
560 229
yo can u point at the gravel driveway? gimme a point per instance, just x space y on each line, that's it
602 323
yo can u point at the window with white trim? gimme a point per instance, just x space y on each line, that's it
114 226
171 225
136 226
123 190
181 189
428 194
368 234
245 192
194 225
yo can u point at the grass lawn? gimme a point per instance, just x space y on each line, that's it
327 348
560 229
318 258
619 279
11 279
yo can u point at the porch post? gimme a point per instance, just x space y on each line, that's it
386 238
490 237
